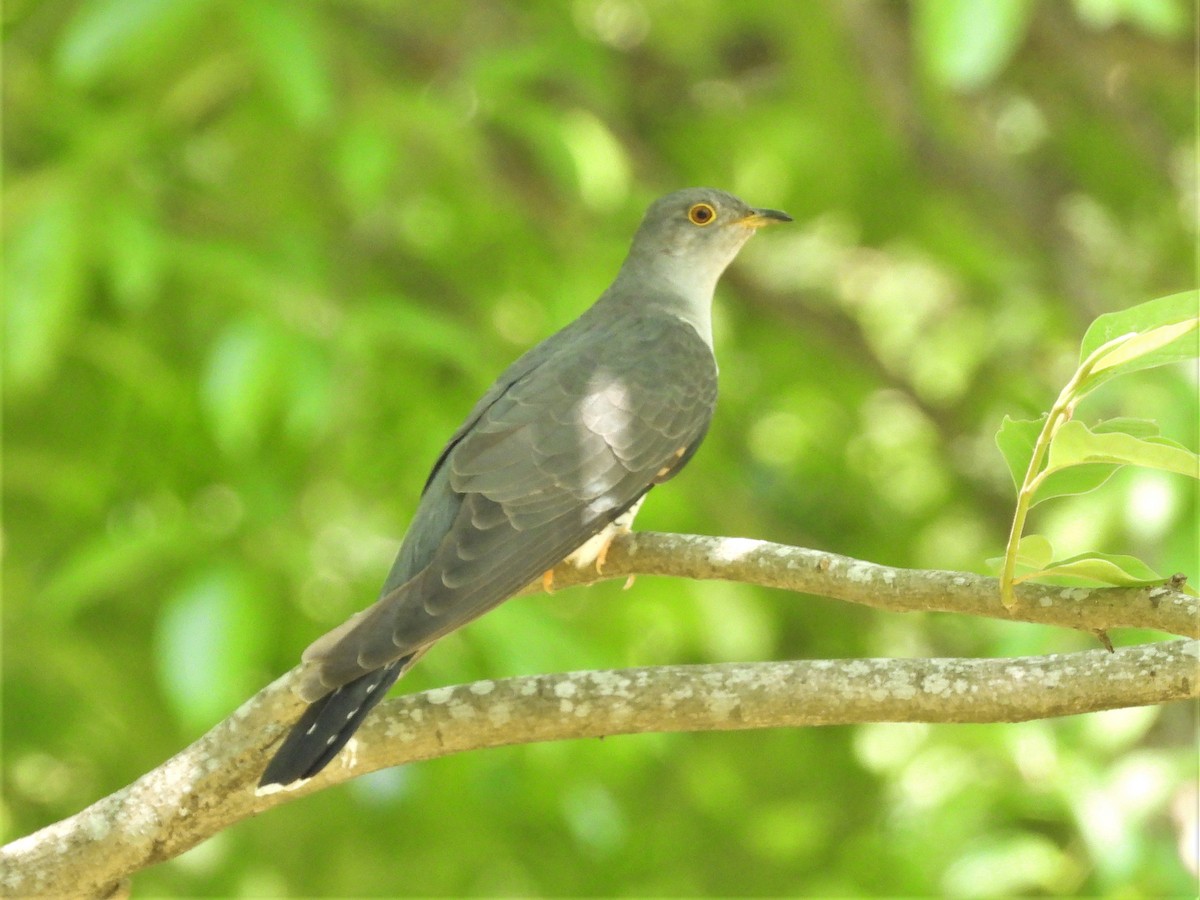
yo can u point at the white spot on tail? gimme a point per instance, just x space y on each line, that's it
267 790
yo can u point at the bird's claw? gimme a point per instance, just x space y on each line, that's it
602 558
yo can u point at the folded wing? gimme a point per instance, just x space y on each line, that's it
555 457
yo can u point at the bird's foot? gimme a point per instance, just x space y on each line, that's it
602 556
548 581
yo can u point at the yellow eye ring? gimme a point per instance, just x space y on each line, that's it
702 214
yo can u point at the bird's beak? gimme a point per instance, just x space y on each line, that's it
757 218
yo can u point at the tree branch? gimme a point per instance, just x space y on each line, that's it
1164 608
210 785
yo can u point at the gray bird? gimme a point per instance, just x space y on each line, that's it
550 464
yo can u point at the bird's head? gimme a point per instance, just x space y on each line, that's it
695 233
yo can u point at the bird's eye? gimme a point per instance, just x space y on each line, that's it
701 214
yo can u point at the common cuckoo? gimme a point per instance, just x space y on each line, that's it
549 465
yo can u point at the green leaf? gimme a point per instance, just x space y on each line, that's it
1144 344
1105 568
1016 440
1034 550
1142 428
1017 437
1074 480
1075 444
1143 318
1081 478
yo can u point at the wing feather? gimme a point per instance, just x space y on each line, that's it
554 457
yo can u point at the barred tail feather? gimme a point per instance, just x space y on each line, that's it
327 725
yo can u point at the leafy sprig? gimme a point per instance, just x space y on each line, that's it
1056 456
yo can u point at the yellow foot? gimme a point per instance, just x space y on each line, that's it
602 556
548 581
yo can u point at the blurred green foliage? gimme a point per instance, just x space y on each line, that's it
260 258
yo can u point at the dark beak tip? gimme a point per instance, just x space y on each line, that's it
777 214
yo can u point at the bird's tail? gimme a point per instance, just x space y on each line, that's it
327 725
